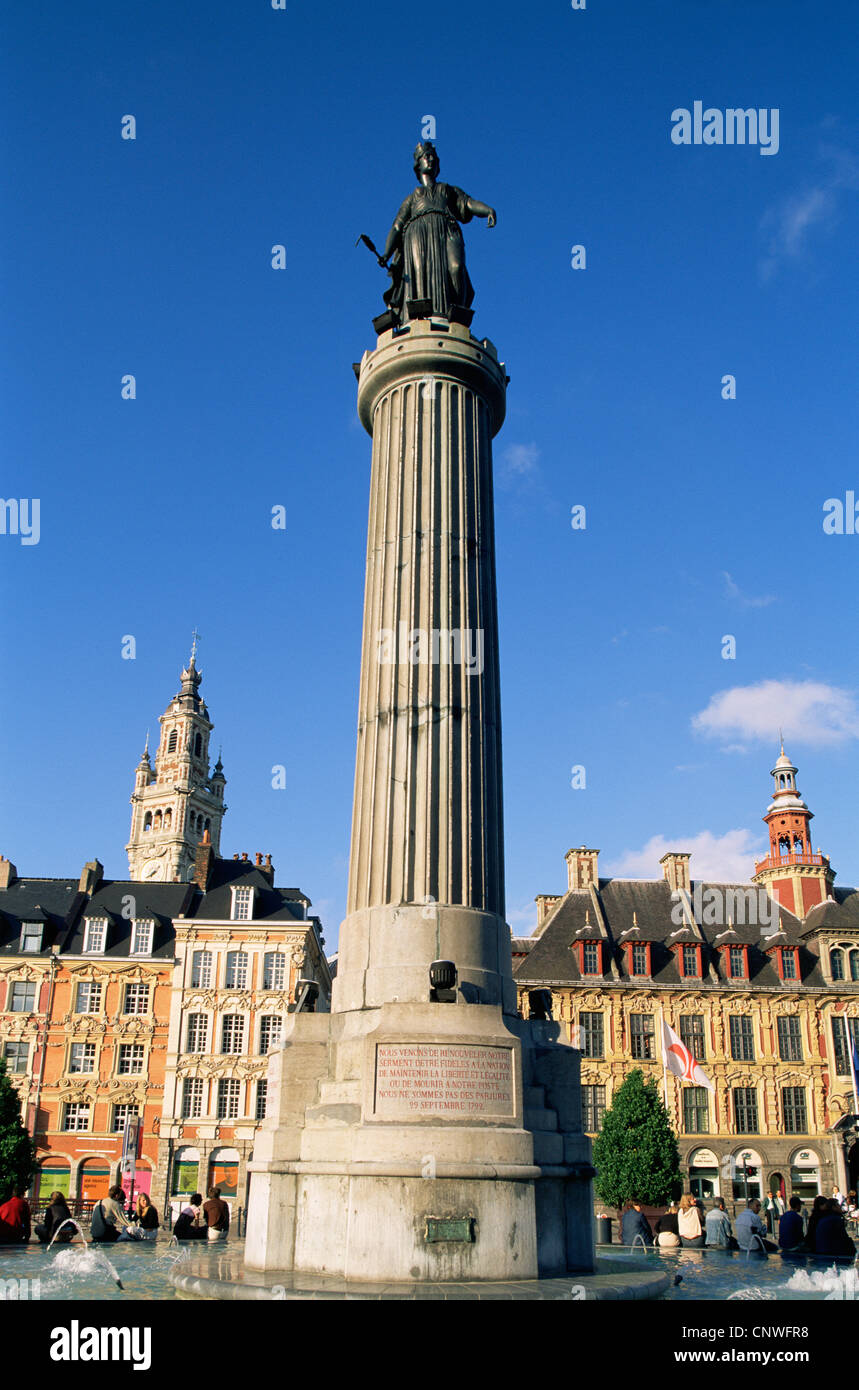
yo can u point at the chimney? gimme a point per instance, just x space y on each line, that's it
8 872
258 859
90 877
244 856
545 902
675 868
204 858
582 868
266 868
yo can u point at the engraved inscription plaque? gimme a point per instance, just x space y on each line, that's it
452 1079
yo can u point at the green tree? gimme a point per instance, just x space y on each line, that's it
635 1153
17 1150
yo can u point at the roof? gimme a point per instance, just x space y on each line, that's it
660 921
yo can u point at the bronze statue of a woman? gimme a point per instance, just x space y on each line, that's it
425 250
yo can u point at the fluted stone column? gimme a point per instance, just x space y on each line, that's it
427 861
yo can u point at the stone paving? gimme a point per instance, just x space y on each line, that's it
217 1274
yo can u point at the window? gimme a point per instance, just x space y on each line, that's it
692 1036
742 1040
696 1110
232 1033
88 997
121 1113
745 1110
237 970
842 1031
591 1035
690 961
854 965
262 1093
736 963
641 1036
95 935
593 1108
228 1098
197 1030
274 970
82 1057
788 963
242 900
192 1098
75 1117
171 742
269 1032
793 1110
131 1059
31 936
141 937
16 1055
591 958
836 964
198 746
789 1040
639 958
22 998
201 970
136 999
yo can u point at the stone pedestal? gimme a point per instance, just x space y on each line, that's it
404 1138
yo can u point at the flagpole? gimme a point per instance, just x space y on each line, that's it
662 1050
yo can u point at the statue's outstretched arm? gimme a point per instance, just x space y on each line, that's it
478 209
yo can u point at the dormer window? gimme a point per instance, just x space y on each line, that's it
95 935
789 963
690 962
836 964
242 905
639 957
142 932
31 936
591 962
737 966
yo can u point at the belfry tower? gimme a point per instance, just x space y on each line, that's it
792 872
173 805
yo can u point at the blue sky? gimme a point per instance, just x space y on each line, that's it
258 127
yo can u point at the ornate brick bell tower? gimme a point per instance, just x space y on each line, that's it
173 806
792 873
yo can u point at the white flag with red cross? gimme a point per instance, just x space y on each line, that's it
679 1060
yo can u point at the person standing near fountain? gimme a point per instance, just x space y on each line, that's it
15 1220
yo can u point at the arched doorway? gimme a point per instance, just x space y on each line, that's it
746 1180
804 1174
224 1171
142 1180
704 1174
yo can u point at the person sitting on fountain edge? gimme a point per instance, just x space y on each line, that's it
109 1221
751 1231
717 1225
634 1223
56 1213
15 1219
217 1215
831 1236
191 1223
791 1232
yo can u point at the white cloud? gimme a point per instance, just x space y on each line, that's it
734 591
727 858
518 462
816 206
807 712
523 920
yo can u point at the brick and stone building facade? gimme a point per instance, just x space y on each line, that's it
761 981
156 997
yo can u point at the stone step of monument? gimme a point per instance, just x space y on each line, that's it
540 1119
